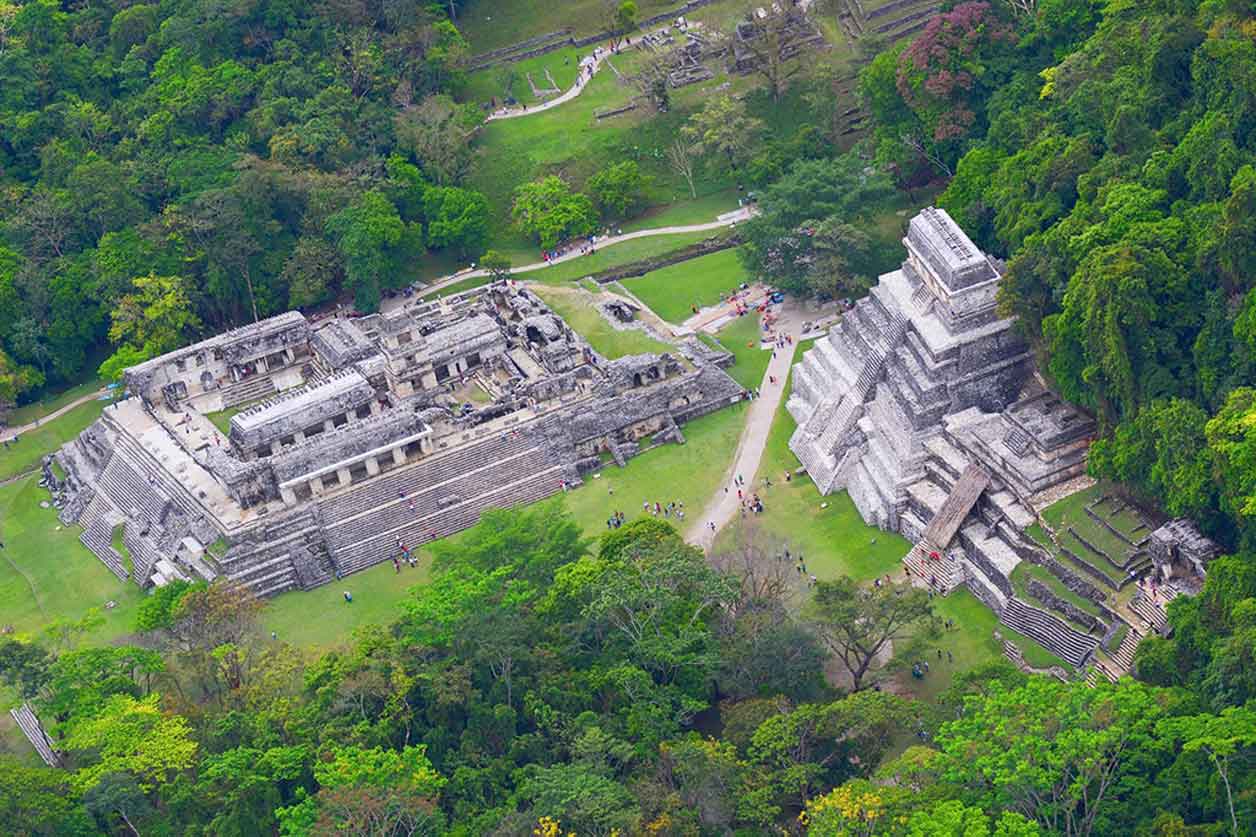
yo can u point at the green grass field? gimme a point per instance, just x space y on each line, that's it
24 454
560 274
741 337
320 618
50 403
47 574
690 473
579 312
671 291
491 24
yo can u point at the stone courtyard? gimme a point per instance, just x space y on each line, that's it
353 441
924 404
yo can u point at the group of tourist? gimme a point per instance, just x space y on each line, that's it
673 509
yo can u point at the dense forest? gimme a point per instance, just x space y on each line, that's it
226 161
213 162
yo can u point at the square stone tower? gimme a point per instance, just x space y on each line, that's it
924 344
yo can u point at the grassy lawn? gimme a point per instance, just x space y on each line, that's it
321 618
560 274
578 309
684 210
50 403
690 473
222 419
741 337
491 24
563 64
47 574
24 455
671 291
616 255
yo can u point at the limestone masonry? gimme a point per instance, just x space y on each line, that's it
353 439
923 404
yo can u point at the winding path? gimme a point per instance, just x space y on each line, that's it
583 77
724 506
728 219
10 433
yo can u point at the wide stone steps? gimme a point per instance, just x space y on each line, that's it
383 545
942 575
97 536
1048 631
1151 613
428 502
428 472
250 389
1123 656
30 726
167 485
130 493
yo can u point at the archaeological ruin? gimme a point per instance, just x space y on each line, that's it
352 440
924 404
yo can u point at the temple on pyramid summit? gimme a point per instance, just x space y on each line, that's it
923 403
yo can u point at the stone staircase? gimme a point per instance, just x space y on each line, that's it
1123 656
30 726
253 388
97 536
1151 613
941 576
131 494
1048 631
448 492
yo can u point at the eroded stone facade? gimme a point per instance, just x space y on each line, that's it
360 437
924 405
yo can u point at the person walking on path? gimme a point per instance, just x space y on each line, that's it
723 507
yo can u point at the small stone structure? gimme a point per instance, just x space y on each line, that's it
921 403
359 438
1181 554
785 27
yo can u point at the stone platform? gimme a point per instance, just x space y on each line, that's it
356 443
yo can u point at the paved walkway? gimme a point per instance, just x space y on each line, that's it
9 433
725 506
594 60
727 219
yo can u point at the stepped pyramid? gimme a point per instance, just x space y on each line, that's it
926 343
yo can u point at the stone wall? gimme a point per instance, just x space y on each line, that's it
1072 612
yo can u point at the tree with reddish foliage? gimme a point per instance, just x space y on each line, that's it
945 73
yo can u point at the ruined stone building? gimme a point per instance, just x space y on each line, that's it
923 404
355 438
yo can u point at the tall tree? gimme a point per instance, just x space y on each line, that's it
859 623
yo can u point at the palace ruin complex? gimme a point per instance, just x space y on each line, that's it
924 405
358 437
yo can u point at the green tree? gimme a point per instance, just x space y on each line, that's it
41 802
1226 740
619 190
156 317
130 735
857 624
496 263
722 132
365 232
548 210
456 218
1053 752
313 272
